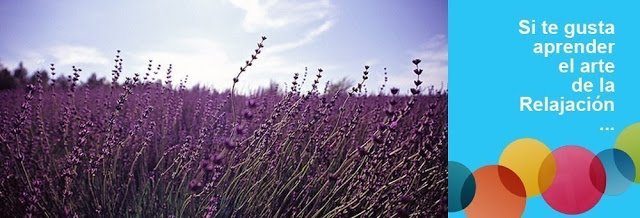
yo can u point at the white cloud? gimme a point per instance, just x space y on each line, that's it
30 59
306 39
207 63
270 14
76 54
314 15
204 60
63 56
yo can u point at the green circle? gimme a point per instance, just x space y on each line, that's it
629 142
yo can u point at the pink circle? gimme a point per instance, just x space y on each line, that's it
579 182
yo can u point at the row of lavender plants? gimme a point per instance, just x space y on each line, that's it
152 148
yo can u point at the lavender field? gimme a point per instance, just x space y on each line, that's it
154 147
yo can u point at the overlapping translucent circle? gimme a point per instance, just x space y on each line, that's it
619 168
571 179
462 187
629 142
495 187
579 182
525 158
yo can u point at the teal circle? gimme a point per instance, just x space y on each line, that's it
619 169
461 186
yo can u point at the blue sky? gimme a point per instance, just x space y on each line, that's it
209 40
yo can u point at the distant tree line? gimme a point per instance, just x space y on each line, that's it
20 77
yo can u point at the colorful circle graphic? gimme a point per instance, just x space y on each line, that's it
579 182
525 157
495 186
571 178
619 168
629 142
462 186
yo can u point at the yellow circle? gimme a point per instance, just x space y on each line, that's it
629 142
532 161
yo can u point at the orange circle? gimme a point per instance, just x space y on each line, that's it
499 193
